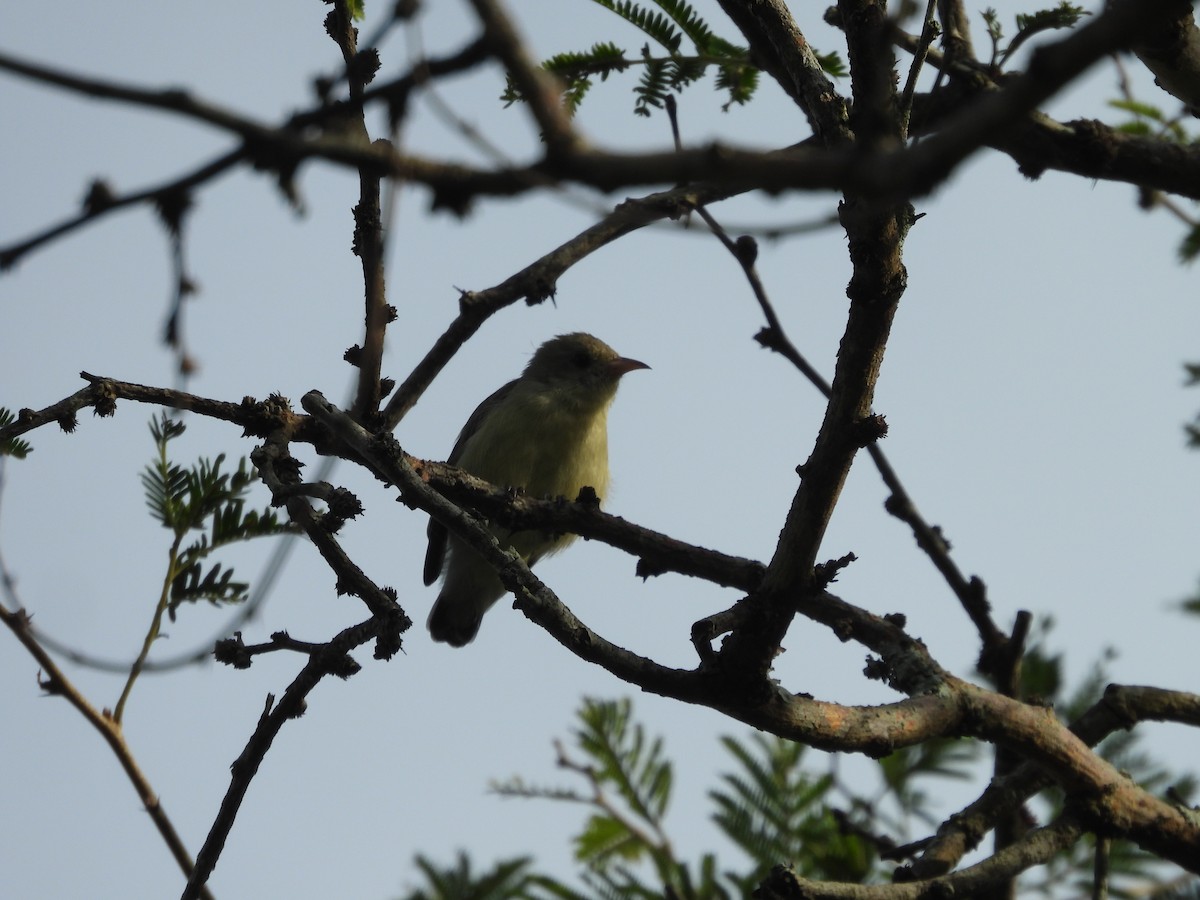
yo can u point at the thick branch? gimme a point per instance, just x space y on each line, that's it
956 29
990 119
781 50
876 235
1121 707
972 592
1171 50
1108 801
1036 847
909 172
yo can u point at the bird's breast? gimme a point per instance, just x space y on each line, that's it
544 447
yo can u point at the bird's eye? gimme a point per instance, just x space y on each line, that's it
581 360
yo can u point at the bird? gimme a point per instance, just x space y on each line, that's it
544 433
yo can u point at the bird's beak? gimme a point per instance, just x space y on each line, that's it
621 365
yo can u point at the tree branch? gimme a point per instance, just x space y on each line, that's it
387 623
1039 846
538 281
534 84
1171 50
1121 707
100 202
768 27
972 594
368 218
876 234
257 418
57 683
290 706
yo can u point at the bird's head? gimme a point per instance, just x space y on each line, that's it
583 367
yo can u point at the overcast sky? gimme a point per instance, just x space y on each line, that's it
1033 388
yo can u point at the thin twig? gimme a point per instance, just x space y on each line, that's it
152 632
929 31
291 705
56 683
11 254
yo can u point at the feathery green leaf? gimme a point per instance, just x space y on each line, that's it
14 447
653 24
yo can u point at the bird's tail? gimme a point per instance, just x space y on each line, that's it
470 589
455 622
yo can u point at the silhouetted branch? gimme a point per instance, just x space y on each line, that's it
538 281
1039 846
258 418
101 202
56 683
1120 708
292 705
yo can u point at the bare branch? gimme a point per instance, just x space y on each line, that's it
769 26
1121 707
56 683
971 593
1172 52
956 30
385 626
534 84
368 219
258 418
290 706
101 203
538 281
1039 846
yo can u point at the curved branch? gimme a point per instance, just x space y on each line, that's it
538 281
1106 798
1172 52
56 683
1038 846
874 730
274 715
769 28
1121 707
100 203
534 84
257 418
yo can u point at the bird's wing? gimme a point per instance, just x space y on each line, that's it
435 554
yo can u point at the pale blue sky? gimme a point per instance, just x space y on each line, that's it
1032 387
